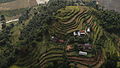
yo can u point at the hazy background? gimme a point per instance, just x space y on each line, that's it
111 4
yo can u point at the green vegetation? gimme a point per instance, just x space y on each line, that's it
9 13
111 21
30 43
12 13
14 66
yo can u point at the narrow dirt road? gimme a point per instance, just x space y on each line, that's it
12 20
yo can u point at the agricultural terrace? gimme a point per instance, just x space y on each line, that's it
70 19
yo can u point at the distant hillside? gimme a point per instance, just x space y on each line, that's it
17 4
3 1
111 4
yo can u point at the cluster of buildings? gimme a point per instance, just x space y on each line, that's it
82 48
57 40
81 32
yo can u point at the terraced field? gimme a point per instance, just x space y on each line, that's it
70 19
41 56
78 20
92 61
81 20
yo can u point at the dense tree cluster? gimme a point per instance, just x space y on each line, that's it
6 49
110 20
7 56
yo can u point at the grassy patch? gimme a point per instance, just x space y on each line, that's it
15 66
10 13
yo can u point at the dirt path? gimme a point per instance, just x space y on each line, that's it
14 20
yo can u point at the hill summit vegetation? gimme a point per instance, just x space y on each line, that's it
62 34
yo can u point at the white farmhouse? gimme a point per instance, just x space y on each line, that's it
74 33
88 29
82 53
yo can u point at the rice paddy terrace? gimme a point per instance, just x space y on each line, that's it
70 19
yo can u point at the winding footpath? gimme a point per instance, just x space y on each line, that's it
14 20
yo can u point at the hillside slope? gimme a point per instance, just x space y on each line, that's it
17 4
69 19
60 35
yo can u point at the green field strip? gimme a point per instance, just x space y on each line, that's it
44 65
65 25
76 25
89 20
87 63
69 24
60 24
73 26
46 54
83 56
39 59
52 59
79 26
81 59
33 59
41 54
72 12
72 18
65 18
95 35
52 55
100 34
48 58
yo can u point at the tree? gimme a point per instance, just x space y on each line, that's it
3 21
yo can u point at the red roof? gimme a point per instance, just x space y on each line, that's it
85 45
61 41
82 31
